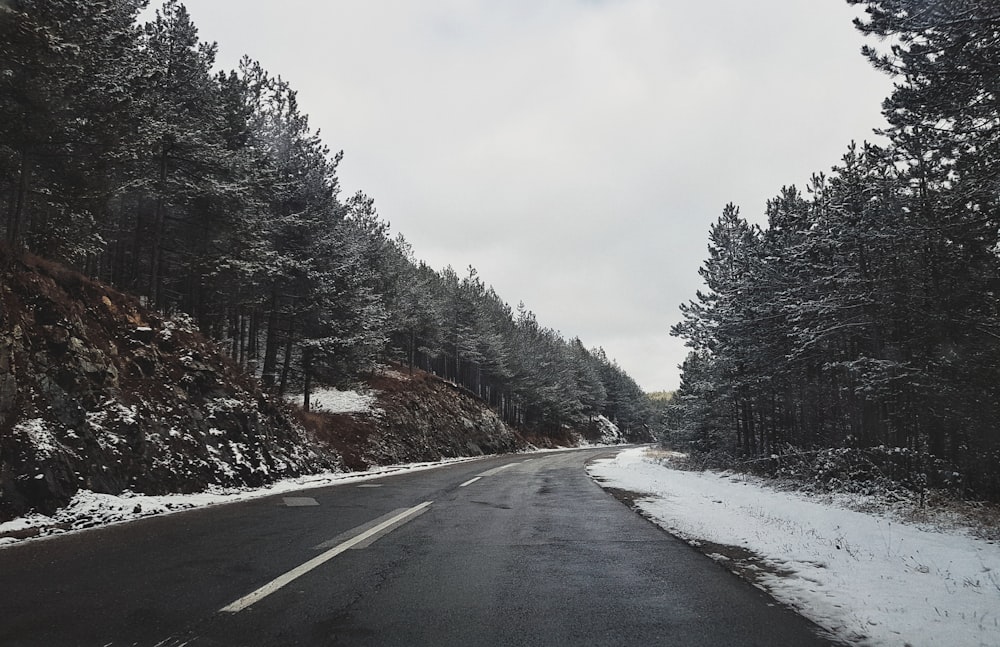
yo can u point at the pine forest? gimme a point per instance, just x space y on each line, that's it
860 326
125 154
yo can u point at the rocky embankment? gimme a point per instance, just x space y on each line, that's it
414 417
98 393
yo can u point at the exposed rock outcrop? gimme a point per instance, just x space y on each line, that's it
97 392
100 393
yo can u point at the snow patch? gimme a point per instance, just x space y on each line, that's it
39 437
396 375
863 576
610 433
333 400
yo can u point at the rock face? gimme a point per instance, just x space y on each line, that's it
98 393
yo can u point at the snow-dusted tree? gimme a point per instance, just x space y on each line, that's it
587 372
416 310
721 320
183 157
65 84
458 317
696 416
944 116
354 313
212 195
494 327
625 404
302 215
944 58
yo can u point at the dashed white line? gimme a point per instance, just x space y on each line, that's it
295 573
353 532
299 501
470 481
496 470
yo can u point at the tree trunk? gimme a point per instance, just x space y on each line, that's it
16 220
133 264
252 341
156 254
243 336
307 354
269 372
11 202
286 367
413 349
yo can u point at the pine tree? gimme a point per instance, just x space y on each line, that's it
65 91
720 321
944 114
182 155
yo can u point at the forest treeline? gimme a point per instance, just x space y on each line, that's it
124 154
865 314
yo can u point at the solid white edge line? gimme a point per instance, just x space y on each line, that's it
299 571
470 481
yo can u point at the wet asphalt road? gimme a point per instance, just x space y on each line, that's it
518 550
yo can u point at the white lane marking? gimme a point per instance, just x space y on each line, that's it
299 501
346 536
497 469
470 481
357 530
371 539
370 485
170 642
297 572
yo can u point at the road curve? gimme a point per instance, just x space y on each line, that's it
517 550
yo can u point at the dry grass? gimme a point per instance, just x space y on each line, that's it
980 519
663 454
344 433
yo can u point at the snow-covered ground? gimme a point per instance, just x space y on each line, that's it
868 578
334 400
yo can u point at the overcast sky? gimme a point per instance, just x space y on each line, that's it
574 151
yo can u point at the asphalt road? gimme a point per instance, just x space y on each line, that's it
519 550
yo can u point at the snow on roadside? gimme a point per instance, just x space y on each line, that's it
91 509
868 579
333 400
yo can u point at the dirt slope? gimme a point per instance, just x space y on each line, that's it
417 417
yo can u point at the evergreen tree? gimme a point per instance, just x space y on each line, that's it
208 193
720 321
65 91
182 155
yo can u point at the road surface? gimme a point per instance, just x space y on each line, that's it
517 550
